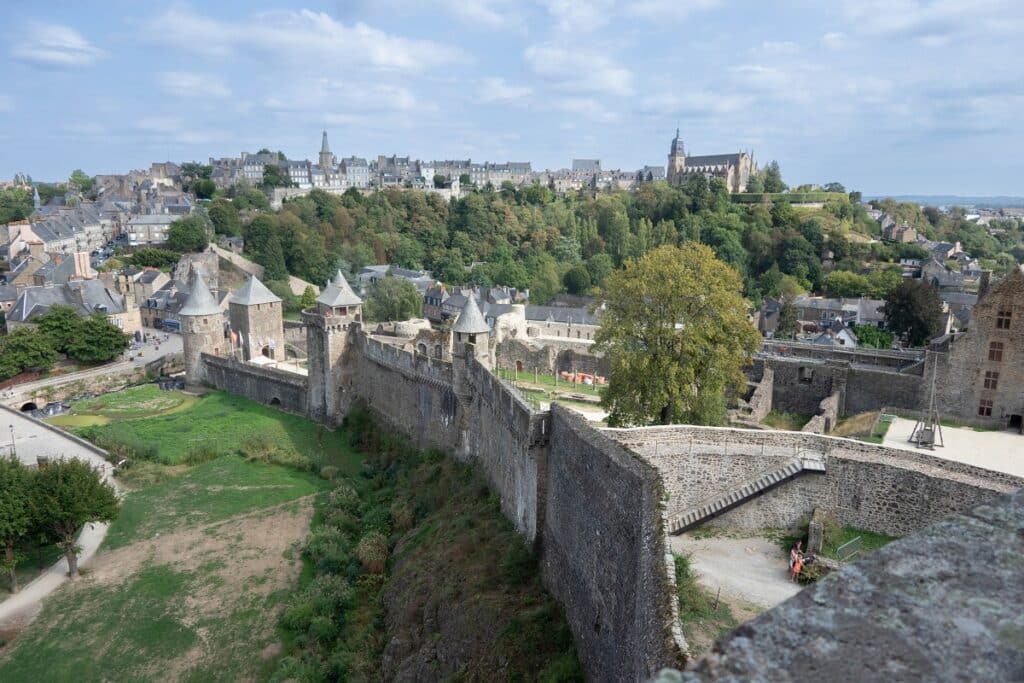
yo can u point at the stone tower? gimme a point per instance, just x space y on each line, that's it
470 339
256 317
676 159
202 328
326 158
328 329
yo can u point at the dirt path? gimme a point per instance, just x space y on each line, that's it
747 570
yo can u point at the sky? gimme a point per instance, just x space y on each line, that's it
884 96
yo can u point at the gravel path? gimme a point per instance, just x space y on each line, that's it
751 569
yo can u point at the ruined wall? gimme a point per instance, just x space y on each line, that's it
269 386
870 390
828 413
800 384
880 489
550 357
605 555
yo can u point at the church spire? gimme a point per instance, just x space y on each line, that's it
324 147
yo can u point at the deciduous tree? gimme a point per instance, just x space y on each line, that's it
676 336
392 298
25 349
97 341
15 512
68 493
915 310
187 235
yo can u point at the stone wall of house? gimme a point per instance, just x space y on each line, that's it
884 490
605 556
877 620
269 386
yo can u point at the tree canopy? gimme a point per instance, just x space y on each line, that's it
25 349
15 204
67 494
392 298
913 309
676 336
187 235
15 512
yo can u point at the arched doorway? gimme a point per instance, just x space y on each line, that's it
29 407
275 401
268 352
519 366
421 349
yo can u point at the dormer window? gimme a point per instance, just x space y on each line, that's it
1003 320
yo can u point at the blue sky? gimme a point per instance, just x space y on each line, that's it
886 96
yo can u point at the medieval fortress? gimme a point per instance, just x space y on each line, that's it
597 503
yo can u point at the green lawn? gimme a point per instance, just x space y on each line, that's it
793 422
218 423
547 381
199 607
142 401
207 493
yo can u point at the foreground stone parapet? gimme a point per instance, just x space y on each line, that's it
941 605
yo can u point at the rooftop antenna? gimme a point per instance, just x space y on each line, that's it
927 432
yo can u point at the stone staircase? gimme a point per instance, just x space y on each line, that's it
741 493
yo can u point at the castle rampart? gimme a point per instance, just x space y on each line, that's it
269 386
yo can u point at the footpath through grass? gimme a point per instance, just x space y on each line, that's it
186 585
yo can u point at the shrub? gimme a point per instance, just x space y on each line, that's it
403 516
518 564
373 552
329 472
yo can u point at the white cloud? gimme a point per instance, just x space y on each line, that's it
933 23
579 70
325 94
56 46
301 37
586 107
6 103
669 9
773 48
498 90
490 13
696 104
835 40
186 84
577 16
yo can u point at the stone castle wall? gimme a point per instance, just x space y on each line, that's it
885 490
799 385
269 386
605 555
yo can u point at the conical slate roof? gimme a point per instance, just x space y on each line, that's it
471 320
200 301
254 292
338 293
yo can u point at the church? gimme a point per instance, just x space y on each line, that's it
735 169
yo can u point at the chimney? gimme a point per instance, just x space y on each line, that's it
37 249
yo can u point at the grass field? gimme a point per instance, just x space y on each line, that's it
548 382
186 586
201 428
794 422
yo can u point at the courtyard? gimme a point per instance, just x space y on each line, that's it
999 451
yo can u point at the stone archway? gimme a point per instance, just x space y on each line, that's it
275 401
267 351
29 407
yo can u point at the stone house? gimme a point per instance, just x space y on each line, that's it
979 374
85 296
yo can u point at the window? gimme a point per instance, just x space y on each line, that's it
991 379
1003 320
995 352
806 375
985 408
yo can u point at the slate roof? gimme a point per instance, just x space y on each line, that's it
254 292
338 293
471 320
713 160
85 296
200 301
8 293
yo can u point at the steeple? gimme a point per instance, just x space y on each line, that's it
326 158
325 148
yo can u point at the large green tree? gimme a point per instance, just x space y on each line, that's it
788 325
224 217
15 512
187 235
392 298
15 204
98 341
771 176
61 325
914 310
25 349
68 494
676 336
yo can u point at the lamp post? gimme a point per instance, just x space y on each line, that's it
13 450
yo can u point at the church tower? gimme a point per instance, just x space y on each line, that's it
256 316
328 329
676 159
326 158
202 328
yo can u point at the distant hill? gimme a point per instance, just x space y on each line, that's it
955 200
